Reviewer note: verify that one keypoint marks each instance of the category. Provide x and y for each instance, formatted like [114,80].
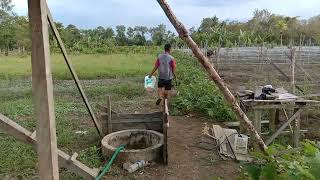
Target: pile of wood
[224,141]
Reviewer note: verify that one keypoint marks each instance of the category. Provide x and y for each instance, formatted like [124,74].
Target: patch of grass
[16,159]
[70,112]
[91,156]
[197,92]
[87,66]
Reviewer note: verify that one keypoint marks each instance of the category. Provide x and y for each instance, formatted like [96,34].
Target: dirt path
[185,160]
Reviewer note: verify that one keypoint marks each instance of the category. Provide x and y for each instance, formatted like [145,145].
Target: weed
[197,92]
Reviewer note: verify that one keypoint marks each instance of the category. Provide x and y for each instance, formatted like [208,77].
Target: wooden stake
[296,130]
[257,120]
[43,91]
[109,123]
[73,72]
[293,63]
[183,33]
[165,120]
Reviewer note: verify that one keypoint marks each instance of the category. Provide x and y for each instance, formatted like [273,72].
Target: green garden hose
[108,165]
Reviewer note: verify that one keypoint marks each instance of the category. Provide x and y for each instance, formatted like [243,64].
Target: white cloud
[89,14]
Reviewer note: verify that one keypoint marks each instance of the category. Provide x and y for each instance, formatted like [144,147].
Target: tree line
[263,29]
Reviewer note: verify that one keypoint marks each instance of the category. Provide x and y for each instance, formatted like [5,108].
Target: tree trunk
[7,51]
[183,33]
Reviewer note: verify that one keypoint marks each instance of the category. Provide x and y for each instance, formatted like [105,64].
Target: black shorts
[166,84]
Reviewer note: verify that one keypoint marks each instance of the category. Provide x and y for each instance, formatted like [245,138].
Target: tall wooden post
[296,130]
[184,35]
[43,91]
[293,66]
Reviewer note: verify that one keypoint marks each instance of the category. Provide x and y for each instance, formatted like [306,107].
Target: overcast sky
[86,14]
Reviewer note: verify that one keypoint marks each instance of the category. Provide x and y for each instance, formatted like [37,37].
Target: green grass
[87,66]
[20,161]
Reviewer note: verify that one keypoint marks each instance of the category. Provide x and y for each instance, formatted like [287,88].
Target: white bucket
[241,144]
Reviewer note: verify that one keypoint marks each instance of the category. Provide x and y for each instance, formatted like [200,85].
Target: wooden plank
[296,131]
[217,134]
[119,121]
[105,109]
[12,128]
[287,132]
[73,72]
[138,116]
[42,87]
[33,135]
[74,156]
[156,126]
[165,132]
[109,124]
[276,134]
[287,106]
[281,101]
[237,124]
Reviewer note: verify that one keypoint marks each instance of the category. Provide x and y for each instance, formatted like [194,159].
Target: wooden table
[274,107]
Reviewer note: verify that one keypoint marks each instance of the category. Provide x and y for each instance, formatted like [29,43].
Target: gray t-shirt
[166,65]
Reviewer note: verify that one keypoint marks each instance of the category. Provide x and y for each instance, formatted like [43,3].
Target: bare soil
[186,160]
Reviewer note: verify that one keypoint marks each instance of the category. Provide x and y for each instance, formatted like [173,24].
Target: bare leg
[167,94]
[161,95]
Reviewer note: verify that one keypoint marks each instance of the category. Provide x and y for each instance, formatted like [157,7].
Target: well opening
[139,144]
[134,140]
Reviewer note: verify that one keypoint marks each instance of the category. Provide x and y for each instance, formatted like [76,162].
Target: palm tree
[282,25]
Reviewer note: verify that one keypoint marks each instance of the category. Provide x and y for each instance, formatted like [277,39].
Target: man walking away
[166,66]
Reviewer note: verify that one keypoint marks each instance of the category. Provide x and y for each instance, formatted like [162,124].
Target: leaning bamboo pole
[183,33]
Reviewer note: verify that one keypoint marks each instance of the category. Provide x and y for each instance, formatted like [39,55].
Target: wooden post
[296,131]
[43,91]
[257,120]
[184,35]
[109,123]
[165,131]
[72,71]
[272,120]
[293,63]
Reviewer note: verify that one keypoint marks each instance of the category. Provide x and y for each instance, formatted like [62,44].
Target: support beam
[272,119]
[184,35]
[12,128]
[43,91]
[293,68]
[73,72]
[296,131]
[257,120]
[165,131]
[276,134]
